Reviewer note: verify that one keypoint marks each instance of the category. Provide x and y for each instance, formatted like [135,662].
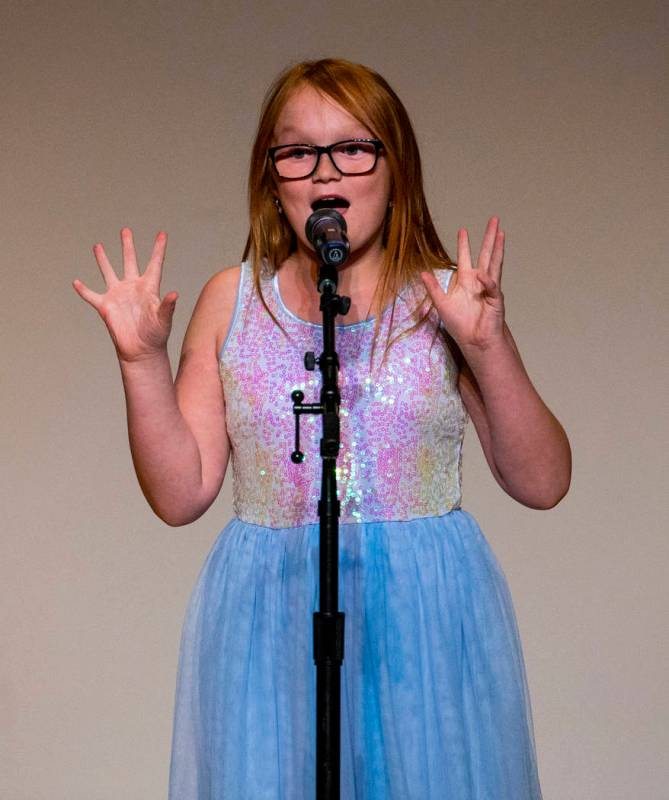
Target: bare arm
[525,446]
[176,428]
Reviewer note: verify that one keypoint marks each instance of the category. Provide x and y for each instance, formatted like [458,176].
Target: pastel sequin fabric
[402,423]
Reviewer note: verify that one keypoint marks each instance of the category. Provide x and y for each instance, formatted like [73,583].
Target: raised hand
[138,321]
[473,308]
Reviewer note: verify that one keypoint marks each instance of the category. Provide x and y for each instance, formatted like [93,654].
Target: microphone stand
[328,622]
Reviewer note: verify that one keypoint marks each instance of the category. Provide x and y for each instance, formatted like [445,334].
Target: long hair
[410,240]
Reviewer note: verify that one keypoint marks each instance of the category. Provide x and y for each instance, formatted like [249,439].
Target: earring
[390,205]
[277,203]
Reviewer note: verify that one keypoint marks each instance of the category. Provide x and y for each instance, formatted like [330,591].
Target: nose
[325,169]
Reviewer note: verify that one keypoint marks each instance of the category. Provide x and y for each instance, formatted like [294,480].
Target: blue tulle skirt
[434,700]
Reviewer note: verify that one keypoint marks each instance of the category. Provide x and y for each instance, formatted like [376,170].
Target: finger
[464,253]
[433,287]
[489,284]
[488,243]
[166,308]
[432,284]
[91,297]
[155,265]
[497,258]
[103,263]
[129,257]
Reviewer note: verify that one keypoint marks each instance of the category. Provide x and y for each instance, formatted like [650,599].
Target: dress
[434,699]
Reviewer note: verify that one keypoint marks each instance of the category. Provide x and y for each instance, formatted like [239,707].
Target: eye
[293,153]
[355,149]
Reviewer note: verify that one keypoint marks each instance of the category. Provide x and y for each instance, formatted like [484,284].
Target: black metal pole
[328,621]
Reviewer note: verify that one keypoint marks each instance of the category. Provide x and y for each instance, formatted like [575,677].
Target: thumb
[166,308]
[433,288]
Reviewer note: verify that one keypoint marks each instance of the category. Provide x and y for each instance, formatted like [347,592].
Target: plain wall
[552,115]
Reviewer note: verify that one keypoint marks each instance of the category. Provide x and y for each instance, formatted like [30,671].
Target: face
[310,118]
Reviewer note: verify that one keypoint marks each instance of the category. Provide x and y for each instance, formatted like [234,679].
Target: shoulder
[214,308]
[222,283]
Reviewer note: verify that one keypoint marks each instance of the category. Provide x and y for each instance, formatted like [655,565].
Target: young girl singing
[434,700]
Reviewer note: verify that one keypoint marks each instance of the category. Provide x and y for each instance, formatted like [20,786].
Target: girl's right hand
[138,322]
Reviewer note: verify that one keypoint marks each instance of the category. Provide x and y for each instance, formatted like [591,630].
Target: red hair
[410,239]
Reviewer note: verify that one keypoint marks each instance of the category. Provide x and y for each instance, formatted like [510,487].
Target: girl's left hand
[473,308]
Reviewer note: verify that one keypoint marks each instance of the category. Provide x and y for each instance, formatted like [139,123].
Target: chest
[408,397]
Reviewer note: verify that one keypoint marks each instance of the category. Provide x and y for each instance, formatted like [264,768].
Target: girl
[434,694]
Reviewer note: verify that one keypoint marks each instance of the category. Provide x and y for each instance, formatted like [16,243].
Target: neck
[358,280]
[358,277]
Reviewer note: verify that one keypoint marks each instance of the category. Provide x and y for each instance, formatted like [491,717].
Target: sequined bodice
[402,423]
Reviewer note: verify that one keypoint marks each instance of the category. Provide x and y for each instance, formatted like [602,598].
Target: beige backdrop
[552,115]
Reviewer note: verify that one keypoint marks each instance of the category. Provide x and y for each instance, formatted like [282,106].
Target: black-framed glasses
[350,157]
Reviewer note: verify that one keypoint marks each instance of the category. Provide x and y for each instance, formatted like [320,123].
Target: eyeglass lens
[298,161]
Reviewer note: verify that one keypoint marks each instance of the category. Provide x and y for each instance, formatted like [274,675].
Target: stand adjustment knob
[310,361]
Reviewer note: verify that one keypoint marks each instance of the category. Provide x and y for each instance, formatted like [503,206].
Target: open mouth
[330,201]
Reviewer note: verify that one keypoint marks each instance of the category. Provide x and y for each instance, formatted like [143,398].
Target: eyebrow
[297,133]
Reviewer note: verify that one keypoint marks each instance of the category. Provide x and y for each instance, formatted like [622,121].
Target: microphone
[326,230]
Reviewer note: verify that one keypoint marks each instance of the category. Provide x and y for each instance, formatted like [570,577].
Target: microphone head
[323,216]
[326,231]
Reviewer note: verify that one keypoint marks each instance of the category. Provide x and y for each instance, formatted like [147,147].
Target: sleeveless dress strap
[244,291]
[444,277]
